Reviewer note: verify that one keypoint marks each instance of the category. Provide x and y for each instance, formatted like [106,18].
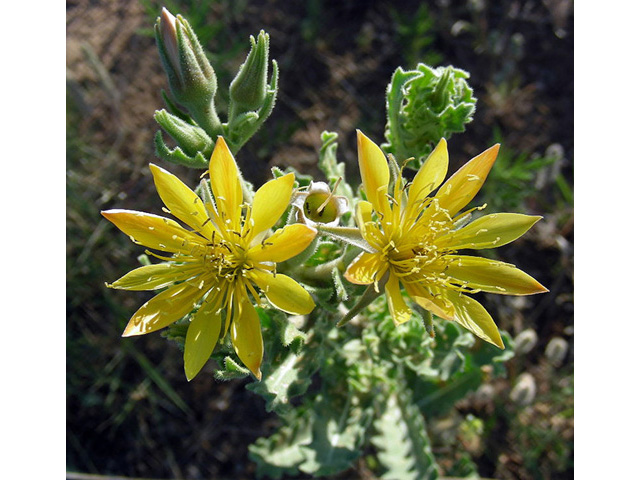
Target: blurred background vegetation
[130,411]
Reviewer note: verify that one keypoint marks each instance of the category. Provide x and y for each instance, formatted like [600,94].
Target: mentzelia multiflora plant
[414,239]
[218,263]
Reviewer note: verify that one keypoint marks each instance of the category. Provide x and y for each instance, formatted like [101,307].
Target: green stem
[324,271]
[207,119]
[372,292]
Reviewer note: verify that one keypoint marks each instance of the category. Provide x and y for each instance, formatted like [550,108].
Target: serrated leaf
[404,449]
[341,291]
[231,370]
[424,105]
[177,155]
[291,334]
[337,435]
[280,453]
[276,382]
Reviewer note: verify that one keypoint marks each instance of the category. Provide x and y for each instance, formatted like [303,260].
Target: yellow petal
[364,211]
[429,301]
[246,335]
[398,308]
[365,269]
[284,292]
[473,316]
[154,231]
[374,172]
[490,231]
[202,336]
[430,176]
[284,244]
[368,229]
[270,202]
[152,277]
[492,276]
[463,185]
[164,309]
[183,203]
[225,182]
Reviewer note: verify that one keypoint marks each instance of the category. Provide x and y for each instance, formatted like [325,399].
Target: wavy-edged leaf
[404,449]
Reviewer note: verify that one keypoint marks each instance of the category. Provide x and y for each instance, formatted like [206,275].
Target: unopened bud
[525,341]
[524,391]
[192,80]
[170,38]
[556,350]
[191,138]
[249,89]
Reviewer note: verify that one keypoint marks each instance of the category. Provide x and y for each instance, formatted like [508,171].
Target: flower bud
[249,89]
[192,80]
[556,350]
[190,138]
[319,205]
[524,391]
[525,341]
[170,38]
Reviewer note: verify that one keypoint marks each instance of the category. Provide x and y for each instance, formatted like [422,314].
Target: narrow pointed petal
[365,268]
[400,311]
[368,229]
[225,182]
[164,309]
[154,231]
[202,336]
[153,277]
[492,276]
[429,301]
[284,244]
[463,185]
[364,211]
[246,335]
[284,292]
[490,231]
[430,176]
[473,316]
[270,202]
[181,201]
[374,172]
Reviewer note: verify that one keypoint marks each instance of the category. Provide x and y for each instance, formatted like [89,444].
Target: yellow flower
[216,266]
[415,239]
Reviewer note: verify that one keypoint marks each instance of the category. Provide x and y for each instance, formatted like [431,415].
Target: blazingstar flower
[216,266]
[415,239]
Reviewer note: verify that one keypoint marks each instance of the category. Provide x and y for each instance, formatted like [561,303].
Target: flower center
[227,260]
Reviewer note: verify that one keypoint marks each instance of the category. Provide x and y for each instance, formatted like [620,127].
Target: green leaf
[177,155]
[276,381]
[337,434]
[423,106]
[404,449]
[232,370]
[280,453]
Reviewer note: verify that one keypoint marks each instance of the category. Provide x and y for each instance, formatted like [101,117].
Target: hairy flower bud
[525,341]
[249,89]
[191,138]
[524,391]
[556,350]
[192,80]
